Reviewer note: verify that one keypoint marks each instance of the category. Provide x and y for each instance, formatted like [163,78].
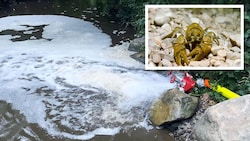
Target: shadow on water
[88,10]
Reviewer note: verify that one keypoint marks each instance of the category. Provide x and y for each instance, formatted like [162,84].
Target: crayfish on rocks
[197,40]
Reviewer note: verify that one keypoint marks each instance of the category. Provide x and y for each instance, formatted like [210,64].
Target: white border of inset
[195,6]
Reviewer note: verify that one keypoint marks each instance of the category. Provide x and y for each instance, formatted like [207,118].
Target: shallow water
[71,86]
[15,127]
[68,85]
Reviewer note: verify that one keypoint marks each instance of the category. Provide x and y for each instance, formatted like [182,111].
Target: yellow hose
[226,92]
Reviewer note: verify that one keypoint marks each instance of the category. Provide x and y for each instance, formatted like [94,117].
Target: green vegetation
[132,12]
[237,81]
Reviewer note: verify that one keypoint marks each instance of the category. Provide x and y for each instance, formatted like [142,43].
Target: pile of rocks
[211,121]
[173,111]
[184,130]
[226,24]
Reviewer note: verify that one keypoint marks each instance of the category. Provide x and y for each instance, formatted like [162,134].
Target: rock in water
[139,56]
[226,121]
[173,105]
[137,44]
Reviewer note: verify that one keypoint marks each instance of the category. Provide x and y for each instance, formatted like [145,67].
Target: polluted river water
[63,81]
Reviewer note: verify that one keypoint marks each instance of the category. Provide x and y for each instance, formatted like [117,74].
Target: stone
[206,17]
[197,20]
[222,53]
[169,57]
[235,49]
[160,31]
[157,41]
[226,121]
[230,62]
[215,49]
[202,63]
[172,106]
[237,63]
[235,39]
[161,53]
[167,43]
[218,58]
[137,44]
[139,56]
[166,63]
[212,62]
[151,42]
[223,19]
[156,58]
[194,63]
[220,64]
[151,64]
[162,18]
[167,28]
[233,55]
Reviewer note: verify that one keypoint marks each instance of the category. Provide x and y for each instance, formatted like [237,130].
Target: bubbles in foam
[74,85]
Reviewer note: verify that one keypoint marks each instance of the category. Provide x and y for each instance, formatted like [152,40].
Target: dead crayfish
[196,39]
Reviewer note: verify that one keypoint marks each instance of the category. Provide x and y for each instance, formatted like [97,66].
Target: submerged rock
[172,106]
[226,121]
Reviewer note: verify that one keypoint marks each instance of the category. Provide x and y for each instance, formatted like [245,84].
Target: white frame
[187,67]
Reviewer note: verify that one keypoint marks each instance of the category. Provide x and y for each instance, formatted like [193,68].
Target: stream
[87,10]
[61,80]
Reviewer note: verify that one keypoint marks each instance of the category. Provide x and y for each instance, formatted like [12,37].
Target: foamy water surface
[70,82]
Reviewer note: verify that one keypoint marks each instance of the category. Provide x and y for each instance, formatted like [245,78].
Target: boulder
[226,121]
[172,106]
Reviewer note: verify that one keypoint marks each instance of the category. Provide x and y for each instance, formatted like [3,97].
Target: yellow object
[226,92]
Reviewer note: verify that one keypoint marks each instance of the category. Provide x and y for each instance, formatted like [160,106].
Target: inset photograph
[194,37]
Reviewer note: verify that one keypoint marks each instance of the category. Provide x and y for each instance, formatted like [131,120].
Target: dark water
[13,125]
[83,9]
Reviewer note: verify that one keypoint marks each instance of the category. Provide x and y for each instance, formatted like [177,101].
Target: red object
[190,83]
[184,81]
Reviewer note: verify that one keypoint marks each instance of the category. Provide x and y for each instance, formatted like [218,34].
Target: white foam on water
[74,85]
